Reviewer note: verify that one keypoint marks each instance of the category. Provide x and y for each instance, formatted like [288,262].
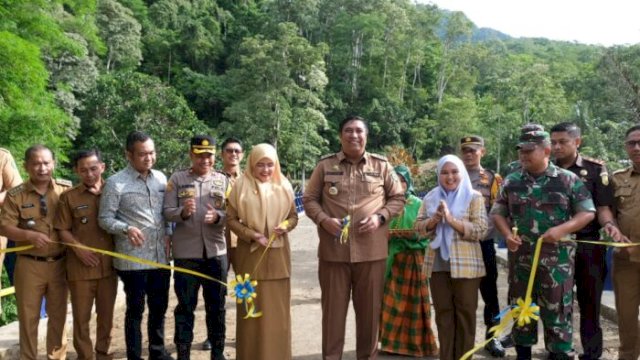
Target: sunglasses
[233,151]
[632,143]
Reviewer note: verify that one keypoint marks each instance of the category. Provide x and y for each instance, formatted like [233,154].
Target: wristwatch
[382,219]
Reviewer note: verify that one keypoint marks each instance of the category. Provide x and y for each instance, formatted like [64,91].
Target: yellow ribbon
[15,249]
[344,233]
[146,262]
[284,224]
[243,289]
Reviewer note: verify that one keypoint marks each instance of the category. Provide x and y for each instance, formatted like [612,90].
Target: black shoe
[507,342]
[494,347]
[523,352]
[560,356]
[206,345]
[164,355]
[184,351]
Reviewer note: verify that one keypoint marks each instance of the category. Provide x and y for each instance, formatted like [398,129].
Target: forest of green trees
[83,73]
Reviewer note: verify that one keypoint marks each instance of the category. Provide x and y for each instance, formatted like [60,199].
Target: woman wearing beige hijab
[258,204]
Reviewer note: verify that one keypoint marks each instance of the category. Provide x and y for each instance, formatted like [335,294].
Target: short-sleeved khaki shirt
[626,188]
[28,210]
[78,213]
[338,188]
[9,174]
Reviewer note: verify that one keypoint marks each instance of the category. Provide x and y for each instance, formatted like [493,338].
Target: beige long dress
[269,336]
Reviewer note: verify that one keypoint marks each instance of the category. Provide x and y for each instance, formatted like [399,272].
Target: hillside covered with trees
[81,73]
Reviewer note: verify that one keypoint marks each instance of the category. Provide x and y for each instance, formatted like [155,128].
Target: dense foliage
[78,73]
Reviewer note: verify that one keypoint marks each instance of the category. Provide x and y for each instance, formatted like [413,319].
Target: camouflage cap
[529,127]
[472,141]
[528,141]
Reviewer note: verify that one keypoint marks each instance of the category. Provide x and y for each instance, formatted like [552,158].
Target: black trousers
[154,285]
[488,284]
[591,271]
[187,287]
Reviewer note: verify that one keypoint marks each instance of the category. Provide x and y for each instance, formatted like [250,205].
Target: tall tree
[121,33]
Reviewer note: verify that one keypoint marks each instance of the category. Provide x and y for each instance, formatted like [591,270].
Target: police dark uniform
[78,213]
[39,271]
[201,247]
[591,266]
[488,184]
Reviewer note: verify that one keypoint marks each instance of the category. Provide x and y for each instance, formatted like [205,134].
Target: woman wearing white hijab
[258,204]
[454,216]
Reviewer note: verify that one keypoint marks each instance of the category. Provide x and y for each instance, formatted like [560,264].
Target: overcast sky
[611,22]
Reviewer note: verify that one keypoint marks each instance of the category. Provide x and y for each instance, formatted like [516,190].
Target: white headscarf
[457,201]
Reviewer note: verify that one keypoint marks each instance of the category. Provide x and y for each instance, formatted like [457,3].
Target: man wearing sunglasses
[27,218]
[626,261]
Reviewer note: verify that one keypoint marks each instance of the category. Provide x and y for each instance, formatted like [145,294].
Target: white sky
[611,22]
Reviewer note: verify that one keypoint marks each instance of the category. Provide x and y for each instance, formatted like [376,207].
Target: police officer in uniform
[91,277]
[27,218]
[591,266]
[195,201]
[488,184]
[364,187]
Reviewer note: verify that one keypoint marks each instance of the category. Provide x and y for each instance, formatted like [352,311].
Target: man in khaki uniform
[487,183]
[27,218]
[232,154]
[90,275]
[195,202]
[626,262]
[9,177]
[364,187]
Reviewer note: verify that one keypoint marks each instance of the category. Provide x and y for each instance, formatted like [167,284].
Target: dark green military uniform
[535,205]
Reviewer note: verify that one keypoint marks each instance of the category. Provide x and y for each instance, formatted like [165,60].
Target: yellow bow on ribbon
[344,233]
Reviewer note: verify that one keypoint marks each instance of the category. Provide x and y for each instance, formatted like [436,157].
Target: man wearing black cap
[488,184]
[195,202]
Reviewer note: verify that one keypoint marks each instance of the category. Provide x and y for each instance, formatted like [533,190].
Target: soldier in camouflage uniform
[515,165]
[547,202]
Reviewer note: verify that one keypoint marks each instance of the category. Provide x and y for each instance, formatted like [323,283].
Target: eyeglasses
[43,205]
[233,151]
[632,143]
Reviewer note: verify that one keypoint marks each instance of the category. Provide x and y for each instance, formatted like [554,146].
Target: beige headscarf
[261,205]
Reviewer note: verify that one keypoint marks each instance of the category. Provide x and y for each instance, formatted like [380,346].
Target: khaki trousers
[83,295]
[455,302]
[338,282]
[626,287]
[34,280]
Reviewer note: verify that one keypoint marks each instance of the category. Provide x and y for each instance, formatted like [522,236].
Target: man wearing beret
[195,202]
[487,183]
[544,203]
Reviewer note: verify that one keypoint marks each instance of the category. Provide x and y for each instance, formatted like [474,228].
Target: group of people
[380,245]
[138,213]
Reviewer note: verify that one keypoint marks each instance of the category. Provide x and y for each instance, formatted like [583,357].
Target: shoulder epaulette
[593,160]
[327,156]
[77,186]
[620,171]
[378,156]
[64,182]
[15,190]
[3,150]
